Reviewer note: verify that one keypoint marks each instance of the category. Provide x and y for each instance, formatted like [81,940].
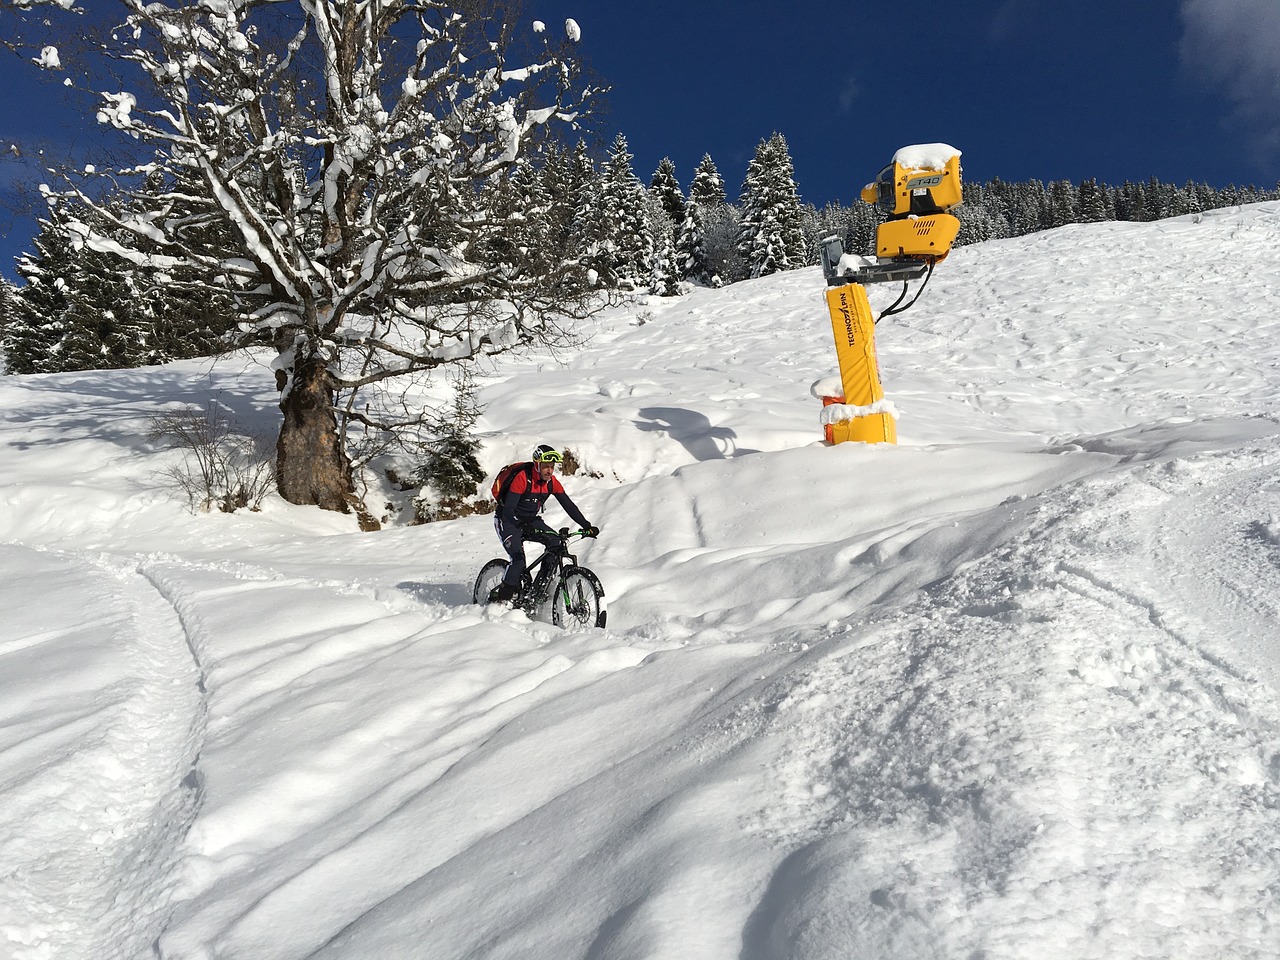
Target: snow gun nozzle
[914,193]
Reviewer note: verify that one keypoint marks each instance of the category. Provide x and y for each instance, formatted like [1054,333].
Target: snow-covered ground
[1008,689]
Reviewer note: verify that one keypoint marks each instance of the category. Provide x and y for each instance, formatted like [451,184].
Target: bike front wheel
[578,602]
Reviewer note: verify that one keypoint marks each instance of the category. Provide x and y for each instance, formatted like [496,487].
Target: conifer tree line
[998,209]
[77,310]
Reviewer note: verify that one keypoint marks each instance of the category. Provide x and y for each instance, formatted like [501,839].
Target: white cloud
[1231,45]
[849,94]
[1011,17]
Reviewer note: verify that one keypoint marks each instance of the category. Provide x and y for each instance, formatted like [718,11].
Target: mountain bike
[555,579]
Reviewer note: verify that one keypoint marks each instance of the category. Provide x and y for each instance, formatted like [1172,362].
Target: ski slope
[1008,688]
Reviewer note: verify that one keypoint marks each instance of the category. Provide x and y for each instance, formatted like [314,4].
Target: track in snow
[98,763]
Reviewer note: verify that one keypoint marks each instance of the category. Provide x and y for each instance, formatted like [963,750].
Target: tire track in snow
[297,803]
[92,835]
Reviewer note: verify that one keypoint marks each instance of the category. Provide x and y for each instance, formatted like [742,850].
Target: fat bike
[555,580]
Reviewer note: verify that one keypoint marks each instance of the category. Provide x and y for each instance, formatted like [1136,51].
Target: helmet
[543,453]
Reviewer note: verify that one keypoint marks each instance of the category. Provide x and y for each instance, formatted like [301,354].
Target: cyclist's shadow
[453,594]
[449,594]
[693,431]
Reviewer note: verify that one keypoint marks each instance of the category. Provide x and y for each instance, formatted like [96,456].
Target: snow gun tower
[914,193]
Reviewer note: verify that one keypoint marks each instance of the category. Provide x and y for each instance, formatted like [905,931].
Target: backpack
[502,482]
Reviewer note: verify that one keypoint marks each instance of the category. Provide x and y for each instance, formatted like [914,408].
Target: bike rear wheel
[491,575]
[579,600]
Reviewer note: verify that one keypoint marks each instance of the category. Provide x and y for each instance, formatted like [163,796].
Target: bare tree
[332,165]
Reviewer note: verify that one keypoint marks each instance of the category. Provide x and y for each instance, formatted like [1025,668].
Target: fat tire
[491,575]
[586,606]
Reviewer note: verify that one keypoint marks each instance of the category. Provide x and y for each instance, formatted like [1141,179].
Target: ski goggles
[550,457]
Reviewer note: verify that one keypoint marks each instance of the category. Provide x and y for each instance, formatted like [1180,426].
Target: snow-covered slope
[1009,688]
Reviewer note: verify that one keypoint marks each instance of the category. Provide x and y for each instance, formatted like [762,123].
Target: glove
[592,531]
[526,530]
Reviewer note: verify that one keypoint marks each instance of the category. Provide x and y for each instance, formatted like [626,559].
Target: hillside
[1010,687]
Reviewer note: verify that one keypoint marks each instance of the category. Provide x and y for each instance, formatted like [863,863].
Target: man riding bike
[518,519]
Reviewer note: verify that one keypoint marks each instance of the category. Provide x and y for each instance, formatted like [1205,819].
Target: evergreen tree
[707,188]
[37,327]
[975,224]
[1130,202]
[665,279]
[860,230]
[522,199]
[717,223]
[1108,202]
[447,466]
[1156,200]
[666,189]
[623,249]
[566,179]
[1062,204]
[771,233]
[1206,196]
[582,191]
[1185,200]
[1092,207]
[1030,208]
[82,309]
[830,221]
[691,251]
[6,318]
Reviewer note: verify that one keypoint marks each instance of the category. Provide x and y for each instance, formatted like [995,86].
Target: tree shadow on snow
[693,431]
[118,405]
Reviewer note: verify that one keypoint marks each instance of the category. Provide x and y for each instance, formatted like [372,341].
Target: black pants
[513,540]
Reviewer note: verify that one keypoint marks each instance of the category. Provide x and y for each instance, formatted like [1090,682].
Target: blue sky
[1121,89]
[1025,88]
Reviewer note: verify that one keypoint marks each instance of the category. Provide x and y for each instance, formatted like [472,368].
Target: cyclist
[518,519]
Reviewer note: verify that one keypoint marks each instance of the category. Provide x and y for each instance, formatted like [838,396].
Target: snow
[850,263]
[572,31]
[925,156]
[839,412]
[118,109]
[49,59]
[1009,688]
[831,386]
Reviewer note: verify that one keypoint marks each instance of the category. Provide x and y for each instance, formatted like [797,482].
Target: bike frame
[544,573]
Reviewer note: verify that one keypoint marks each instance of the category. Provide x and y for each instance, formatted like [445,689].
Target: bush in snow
[224,465]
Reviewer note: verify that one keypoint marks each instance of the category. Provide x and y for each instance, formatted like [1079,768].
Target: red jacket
[527,496]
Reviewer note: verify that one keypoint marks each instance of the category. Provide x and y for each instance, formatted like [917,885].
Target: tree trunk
[311,466]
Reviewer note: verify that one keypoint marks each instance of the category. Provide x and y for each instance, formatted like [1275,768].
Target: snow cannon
[915,193]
